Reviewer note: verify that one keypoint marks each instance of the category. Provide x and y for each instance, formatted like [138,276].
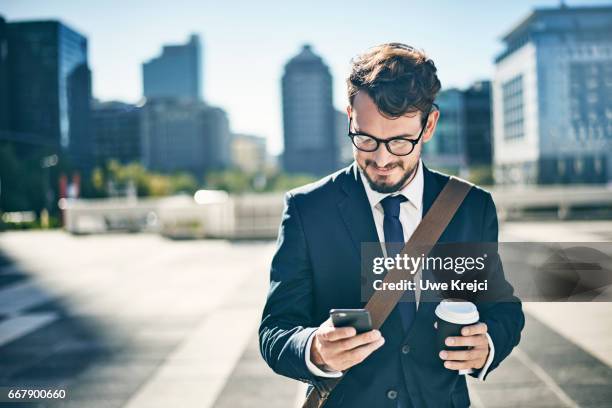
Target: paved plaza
[141,321]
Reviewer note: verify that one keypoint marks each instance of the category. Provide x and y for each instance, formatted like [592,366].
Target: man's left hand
[473,336]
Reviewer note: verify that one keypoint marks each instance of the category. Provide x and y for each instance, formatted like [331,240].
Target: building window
[590,85]
[561,167]
[512,94]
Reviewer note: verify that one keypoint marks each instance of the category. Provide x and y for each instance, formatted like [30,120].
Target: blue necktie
[394,240]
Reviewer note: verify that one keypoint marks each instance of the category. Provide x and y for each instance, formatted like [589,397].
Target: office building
[308,116]
[343,142]
[552,98]
[4,78]
[46,90]
[249,153]
[446,150]
[116,132]
[176,73]
[183,135]
[477,108]
[218,138]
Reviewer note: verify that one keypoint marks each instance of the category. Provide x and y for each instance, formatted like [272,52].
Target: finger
[337,333]
[327,323]
[360,353]
[460,365]
[478,328]
[359,340]
[473,341]
[463,355]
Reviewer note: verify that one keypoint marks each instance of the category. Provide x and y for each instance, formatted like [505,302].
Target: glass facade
[512,96]
[116,132]
[553,104]
[34,85]
[50,87]
[4,79]
[175,73]
[591,100]
[478,123]
[446,149]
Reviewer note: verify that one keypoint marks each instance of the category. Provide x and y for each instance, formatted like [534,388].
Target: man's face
[384,171]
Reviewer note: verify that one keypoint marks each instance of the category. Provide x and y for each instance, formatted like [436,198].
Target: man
[385,192]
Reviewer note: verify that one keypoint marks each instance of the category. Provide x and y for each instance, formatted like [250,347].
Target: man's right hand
[337,349]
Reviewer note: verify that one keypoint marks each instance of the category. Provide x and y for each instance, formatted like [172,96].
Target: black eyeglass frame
[386,142]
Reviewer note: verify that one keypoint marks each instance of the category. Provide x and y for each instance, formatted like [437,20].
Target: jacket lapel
[355,210]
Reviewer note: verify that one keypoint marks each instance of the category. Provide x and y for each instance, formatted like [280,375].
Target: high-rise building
[45,96]
[477,103]
[446,150]
[343,142]
[218,138]
[183,135]
[308,115]
[552,98]
[176,73]
[249,153]
[116,132]
[4,79]
[47,86]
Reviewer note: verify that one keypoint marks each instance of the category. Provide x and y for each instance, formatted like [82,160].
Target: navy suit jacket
[317,267]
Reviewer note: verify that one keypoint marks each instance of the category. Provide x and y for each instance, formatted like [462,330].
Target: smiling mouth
[383,171]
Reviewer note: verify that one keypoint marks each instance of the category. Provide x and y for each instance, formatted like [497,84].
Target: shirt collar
[413,191]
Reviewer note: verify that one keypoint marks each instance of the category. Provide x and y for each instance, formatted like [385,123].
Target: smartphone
[357,318]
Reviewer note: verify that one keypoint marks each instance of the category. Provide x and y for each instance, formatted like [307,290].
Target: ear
[432,122]
[349,109]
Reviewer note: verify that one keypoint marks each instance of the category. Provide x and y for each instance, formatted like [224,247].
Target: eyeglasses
[398,146]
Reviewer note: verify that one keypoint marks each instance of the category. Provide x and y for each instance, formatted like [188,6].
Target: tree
[147,183]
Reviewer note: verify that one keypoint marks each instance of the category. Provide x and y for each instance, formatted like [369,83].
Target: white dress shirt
[410,217]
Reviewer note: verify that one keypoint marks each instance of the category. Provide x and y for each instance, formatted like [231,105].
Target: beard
[385,187]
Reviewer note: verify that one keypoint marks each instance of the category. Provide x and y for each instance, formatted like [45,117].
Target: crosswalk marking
[9,270]
[20,296]
[18,326]
[14,299]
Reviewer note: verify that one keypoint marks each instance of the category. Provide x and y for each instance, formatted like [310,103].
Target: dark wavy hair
[399,78]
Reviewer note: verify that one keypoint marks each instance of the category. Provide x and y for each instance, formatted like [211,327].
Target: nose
[381,156]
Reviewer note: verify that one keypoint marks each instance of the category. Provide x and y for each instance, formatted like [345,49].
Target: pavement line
[9,270]
[15,327]
[544,377]
[197,370]
[587,325]
[21,296]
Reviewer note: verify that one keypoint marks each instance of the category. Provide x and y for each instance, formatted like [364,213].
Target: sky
[247,43]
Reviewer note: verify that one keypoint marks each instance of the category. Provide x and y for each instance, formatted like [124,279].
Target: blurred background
[145,148]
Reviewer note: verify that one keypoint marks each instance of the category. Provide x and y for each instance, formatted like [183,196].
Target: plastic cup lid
[457,311]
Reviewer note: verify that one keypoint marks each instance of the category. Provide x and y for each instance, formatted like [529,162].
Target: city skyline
[253,100]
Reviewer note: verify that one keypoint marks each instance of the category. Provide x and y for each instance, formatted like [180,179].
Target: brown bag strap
[382,303]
